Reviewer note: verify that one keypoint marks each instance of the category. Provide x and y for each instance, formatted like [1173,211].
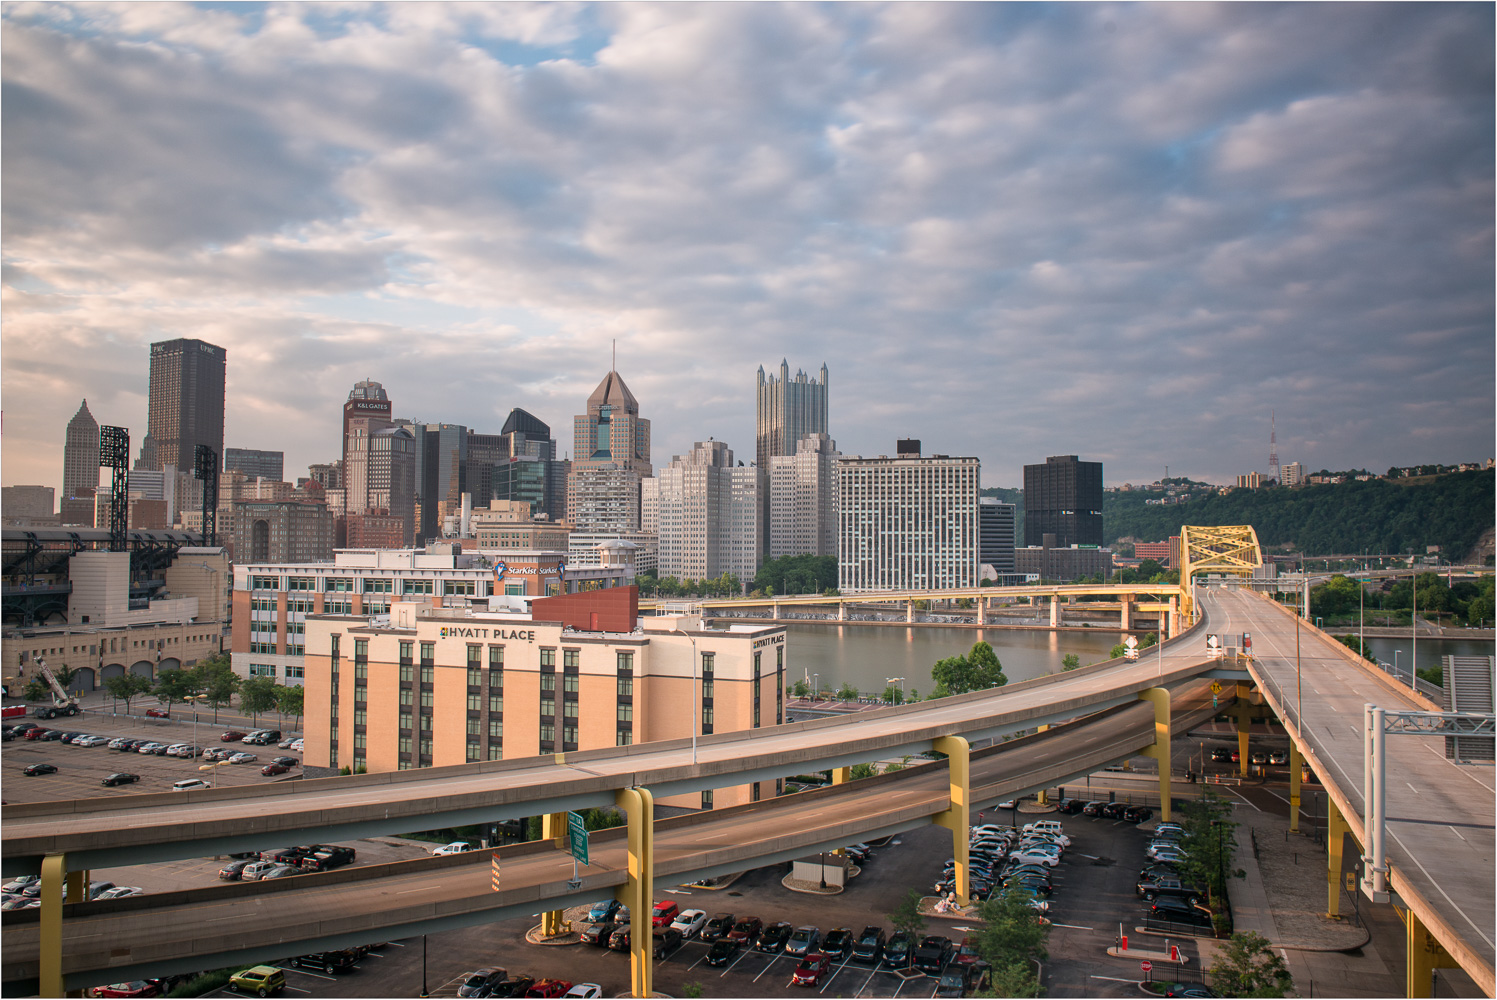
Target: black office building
[1063,498]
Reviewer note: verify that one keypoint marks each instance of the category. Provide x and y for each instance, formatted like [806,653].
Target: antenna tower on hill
[1273,449]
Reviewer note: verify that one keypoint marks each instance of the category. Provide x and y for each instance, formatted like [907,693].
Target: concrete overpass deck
[256,921]
[1442,844]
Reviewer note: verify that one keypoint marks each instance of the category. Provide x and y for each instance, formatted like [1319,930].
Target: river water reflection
[865,656]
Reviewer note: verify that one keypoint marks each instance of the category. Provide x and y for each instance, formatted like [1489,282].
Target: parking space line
[304,972]
[772,960]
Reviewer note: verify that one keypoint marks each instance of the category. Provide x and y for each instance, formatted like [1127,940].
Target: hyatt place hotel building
[429,686]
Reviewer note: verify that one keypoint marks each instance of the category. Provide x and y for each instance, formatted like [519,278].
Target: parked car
[288,761]
[327,857]
[35,769]
[272,769]
[34,733]
[1179,911]
[138,988]
[1114,810]
[1221,754]
[838,942]
[932,954]
[1069,805]
[619,939]
[583,991]
[1188,990]
[121,892]
[189,785]
[667,940]
[964,980]
[1137,814]
[483,980]
[803,941]
[456,847]
[19,882]
[242,758]
[263,737]
[549,988]
[717,927]
[92,741]
[690,922]
[255,870]
[598,933]
[261,980]
[810,970]
[746,930]
[1278,757]
[233,736]
[1258,757]
[1093,808]
[603,909]
[281,871]
[723,950]
[328,961]
[232,871]
[774,937]
[157,713]
[897,950]
[664,913]
[514,986]
[1161,886]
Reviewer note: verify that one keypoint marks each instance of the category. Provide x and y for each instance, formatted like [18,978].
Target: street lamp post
[815,687]
[890,681]
[1395,661]
[696,701]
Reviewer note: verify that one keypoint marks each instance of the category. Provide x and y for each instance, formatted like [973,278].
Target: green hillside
[1376,516]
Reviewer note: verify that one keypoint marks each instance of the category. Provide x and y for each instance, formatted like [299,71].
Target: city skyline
[1130,233]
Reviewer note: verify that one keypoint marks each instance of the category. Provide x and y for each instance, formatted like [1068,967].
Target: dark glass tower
[186,406]
[1063,498]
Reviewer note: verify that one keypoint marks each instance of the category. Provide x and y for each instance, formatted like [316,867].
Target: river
[865,656]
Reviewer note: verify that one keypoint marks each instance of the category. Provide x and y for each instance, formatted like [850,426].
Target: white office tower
[908,522]
[709,514]
[803,499]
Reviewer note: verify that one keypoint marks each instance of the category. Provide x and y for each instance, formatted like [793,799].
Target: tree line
[1374,516]
[211,681]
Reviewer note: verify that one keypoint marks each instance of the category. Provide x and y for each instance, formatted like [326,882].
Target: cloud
[1012,230]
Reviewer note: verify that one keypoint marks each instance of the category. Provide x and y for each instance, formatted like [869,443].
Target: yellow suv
[261,980]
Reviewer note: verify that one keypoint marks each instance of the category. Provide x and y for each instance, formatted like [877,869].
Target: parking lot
[80,770]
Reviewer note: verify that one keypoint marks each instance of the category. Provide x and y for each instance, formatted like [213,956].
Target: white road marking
[1074,927]
[423,888]
[1455,831]
[1412,788]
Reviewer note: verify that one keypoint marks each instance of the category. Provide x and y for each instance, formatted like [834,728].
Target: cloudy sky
[1124,231]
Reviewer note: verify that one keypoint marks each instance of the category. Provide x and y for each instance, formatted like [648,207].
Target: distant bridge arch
[1229,549]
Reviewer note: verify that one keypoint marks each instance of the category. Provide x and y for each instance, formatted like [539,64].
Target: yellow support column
[77,886]
[1424,955]
[1335,831]
[1160,751]
[1043,798]
[638,807]
[958,816]
[840,775]
[54,873]
[1296,765]
[554,827]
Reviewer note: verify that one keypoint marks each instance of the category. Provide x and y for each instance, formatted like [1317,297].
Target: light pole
[815,687]
[1395,661]
[696,701]
[890,681]
[1414,631]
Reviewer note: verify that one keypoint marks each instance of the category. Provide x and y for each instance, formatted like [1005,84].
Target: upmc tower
[1063,498]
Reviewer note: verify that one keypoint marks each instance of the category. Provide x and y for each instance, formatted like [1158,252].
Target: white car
[242,758]
[1165,852]
[120,892]
[584,990]
[1040,857]
[258,870]
[689,922]
[456,847]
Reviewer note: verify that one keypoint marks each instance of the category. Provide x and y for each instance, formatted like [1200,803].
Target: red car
[549,988]
[274,768]
[810,970]
[157,713]
[139,988]
[665,913]
[34,734]
[233,736]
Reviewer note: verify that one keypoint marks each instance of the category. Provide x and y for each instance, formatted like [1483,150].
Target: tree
[65,676]
[1355,644]
[217,681]
[127,686]
[173,686]
[256,695]
[906,917]
[1209,843]
[1011,979]
[1013,932]
[800,689]
[893,695]
[860,771]
[290,700]
[977,671]
[846,692]
[1246,966]
[1117,651]
[939,691]
[1070,661]
[36,690]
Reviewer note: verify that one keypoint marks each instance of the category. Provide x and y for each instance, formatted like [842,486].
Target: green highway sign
[577,834]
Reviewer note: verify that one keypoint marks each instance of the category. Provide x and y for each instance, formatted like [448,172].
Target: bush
[207,982]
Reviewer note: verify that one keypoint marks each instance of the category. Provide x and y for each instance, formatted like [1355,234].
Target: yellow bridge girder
[1228,549]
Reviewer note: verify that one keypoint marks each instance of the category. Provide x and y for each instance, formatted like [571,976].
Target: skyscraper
[1063,498]
[803,499]
[610,455]
[366,399]
[908,522]
[996,523]
[709,515]
[255,463]
[80,455]
[186,405]
[788,411]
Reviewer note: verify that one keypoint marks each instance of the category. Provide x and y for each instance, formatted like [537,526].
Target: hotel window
[428,651]
[569,683]
[361,671]
[405,745]
[496,657]
[428,673]
[475,657]
[548,682]
[569,659]
[361,649]
[706,720]
[626,685]
[425,721]
[475,676]
[707,799]
[407,672]
[496,752]
[569,737]
[548,658]
[405,720]
[426,698]
[360,717]
[361,692]
[475,752]
[548,733]
[426,748]
[624,738]
[475,703]
[569,710]
[496,729]
[626,713]
[709,661]
[405,696]
[475,726]
[407,649]
[548,708]
[358,744]
[626,661]
[707,686]
[496,702]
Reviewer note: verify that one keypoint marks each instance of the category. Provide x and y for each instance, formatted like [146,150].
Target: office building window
[295,671]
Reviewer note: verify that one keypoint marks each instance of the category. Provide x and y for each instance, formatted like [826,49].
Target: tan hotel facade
[437,686]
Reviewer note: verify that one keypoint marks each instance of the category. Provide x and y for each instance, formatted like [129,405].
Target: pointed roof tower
[613,393]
